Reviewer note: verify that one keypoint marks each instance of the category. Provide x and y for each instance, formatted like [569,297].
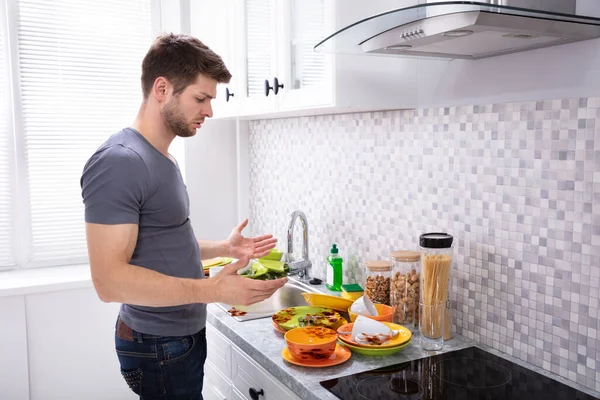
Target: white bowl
[364,306]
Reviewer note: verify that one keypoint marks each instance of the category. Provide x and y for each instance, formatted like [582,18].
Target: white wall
[570,70]
[14,381]
[58,346]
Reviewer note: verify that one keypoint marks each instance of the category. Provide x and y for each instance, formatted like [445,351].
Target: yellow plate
[216,262]
[325,300]
[404,335]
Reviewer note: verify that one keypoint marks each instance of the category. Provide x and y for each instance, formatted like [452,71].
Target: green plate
[295,317]
[274,254]
[375,352]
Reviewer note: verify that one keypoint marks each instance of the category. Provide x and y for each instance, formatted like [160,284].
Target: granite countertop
[261,342]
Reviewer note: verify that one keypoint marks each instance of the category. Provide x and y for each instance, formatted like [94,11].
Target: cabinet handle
[228,94]
[276,86]
[255,393]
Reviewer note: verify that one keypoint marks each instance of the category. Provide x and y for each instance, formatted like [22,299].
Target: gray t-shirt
[128,181]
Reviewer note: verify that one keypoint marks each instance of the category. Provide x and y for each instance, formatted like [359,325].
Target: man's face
[185,112]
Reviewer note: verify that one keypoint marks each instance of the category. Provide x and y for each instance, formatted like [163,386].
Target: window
[7,245]
[76,68]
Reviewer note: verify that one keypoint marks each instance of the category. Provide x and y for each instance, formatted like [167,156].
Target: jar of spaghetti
[436,265]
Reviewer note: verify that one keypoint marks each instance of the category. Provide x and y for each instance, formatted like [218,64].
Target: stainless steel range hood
[465,29]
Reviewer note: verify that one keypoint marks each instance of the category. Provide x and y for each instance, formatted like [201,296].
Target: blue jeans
[161,367]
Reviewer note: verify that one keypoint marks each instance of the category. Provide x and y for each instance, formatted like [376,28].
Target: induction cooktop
[467,374]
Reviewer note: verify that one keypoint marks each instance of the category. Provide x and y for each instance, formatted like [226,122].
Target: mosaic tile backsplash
[517,185]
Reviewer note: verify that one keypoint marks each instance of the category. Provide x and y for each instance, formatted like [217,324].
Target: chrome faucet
[300,267]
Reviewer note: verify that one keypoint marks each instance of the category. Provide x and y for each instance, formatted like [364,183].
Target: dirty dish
[403,335]
[363,306]
[311,342]
[375,352]
[341,322]
[366,325]
[216,262]
[340,355]
[274,254]
[384,313]
[277,328]
[297,317]
[325,300]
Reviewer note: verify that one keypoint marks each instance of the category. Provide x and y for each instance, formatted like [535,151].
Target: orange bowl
[384,312]
[311,342]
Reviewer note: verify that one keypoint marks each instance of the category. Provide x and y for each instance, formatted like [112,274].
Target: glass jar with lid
[436,267]
[404,287]
[377,284]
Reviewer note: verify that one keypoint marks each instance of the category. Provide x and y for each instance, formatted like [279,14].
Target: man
[142,249]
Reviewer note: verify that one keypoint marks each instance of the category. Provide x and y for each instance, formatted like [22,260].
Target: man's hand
[239,246]
[234,289]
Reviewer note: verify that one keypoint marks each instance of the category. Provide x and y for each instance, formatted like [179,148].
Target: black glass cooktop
[468,374]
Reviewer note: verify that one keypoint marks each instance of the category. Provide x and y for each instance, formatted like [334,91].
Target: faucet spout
[304,264]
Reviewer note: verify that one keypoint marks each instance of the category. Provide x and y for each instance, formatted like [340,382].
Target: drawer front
[218,351]
[216,381]
[211,393]
[237,395]
[247,374]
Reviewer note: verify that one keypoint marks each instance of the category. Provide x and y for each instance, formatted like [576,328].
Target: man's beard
[175,120]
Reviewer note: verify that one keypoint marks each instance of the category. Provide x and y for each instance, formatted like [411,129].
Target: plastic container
[334,270]
[378,280]
[404,287]
[436,267]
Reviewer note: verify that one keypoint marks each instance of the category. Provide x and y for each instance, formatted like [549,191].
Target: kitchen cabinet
[212,21]
[231,373]
[268,47]
[14,379]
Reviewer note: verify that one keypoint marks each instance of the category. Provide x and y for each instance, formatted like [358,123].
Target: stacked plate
[215,262]
[373,344]
[297,317]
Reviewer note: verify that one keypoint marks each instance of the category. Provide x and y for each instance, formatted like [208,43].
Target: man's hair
[180,58]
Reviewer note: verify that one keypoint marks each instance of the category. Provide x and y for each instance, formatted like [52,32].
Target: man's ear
[161,88]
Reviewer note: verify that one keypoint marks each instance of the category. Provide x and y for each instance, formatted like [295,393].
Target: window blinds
[7,171]
[79,67]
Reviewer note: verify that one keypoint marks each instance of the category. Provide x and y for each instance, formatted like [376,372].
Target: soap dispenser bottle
[334,270]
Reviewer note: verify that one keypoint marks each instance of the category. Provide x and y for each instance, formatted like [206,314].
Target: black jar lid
[436,240]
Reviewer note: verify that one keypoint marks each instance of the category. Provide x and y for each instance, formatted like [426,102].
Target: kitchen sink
[289,295]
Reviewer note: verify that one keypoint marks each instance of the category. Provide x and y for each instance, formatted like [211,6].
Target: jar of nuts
[404,289]
[378,278]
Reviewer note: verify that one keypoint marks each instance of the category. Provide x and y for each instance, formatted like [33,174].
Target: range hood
[465,29]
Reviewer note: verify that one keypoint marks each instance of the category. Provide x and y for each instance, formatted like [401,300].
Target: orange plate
[341,354]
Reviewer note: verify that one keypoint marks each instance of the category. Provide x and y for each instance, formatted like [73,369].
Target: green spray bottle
[334,270]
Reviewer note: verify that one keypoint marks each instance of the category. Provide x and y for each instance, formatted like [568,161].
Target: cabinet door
[216,386]
[237,395]
[212,21]
[218,351]
[256,28]
[306,74]
[14,379]
[247,374]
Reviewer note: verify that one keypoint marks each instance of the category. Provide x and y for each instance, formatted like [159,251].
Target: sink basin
[290,295]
